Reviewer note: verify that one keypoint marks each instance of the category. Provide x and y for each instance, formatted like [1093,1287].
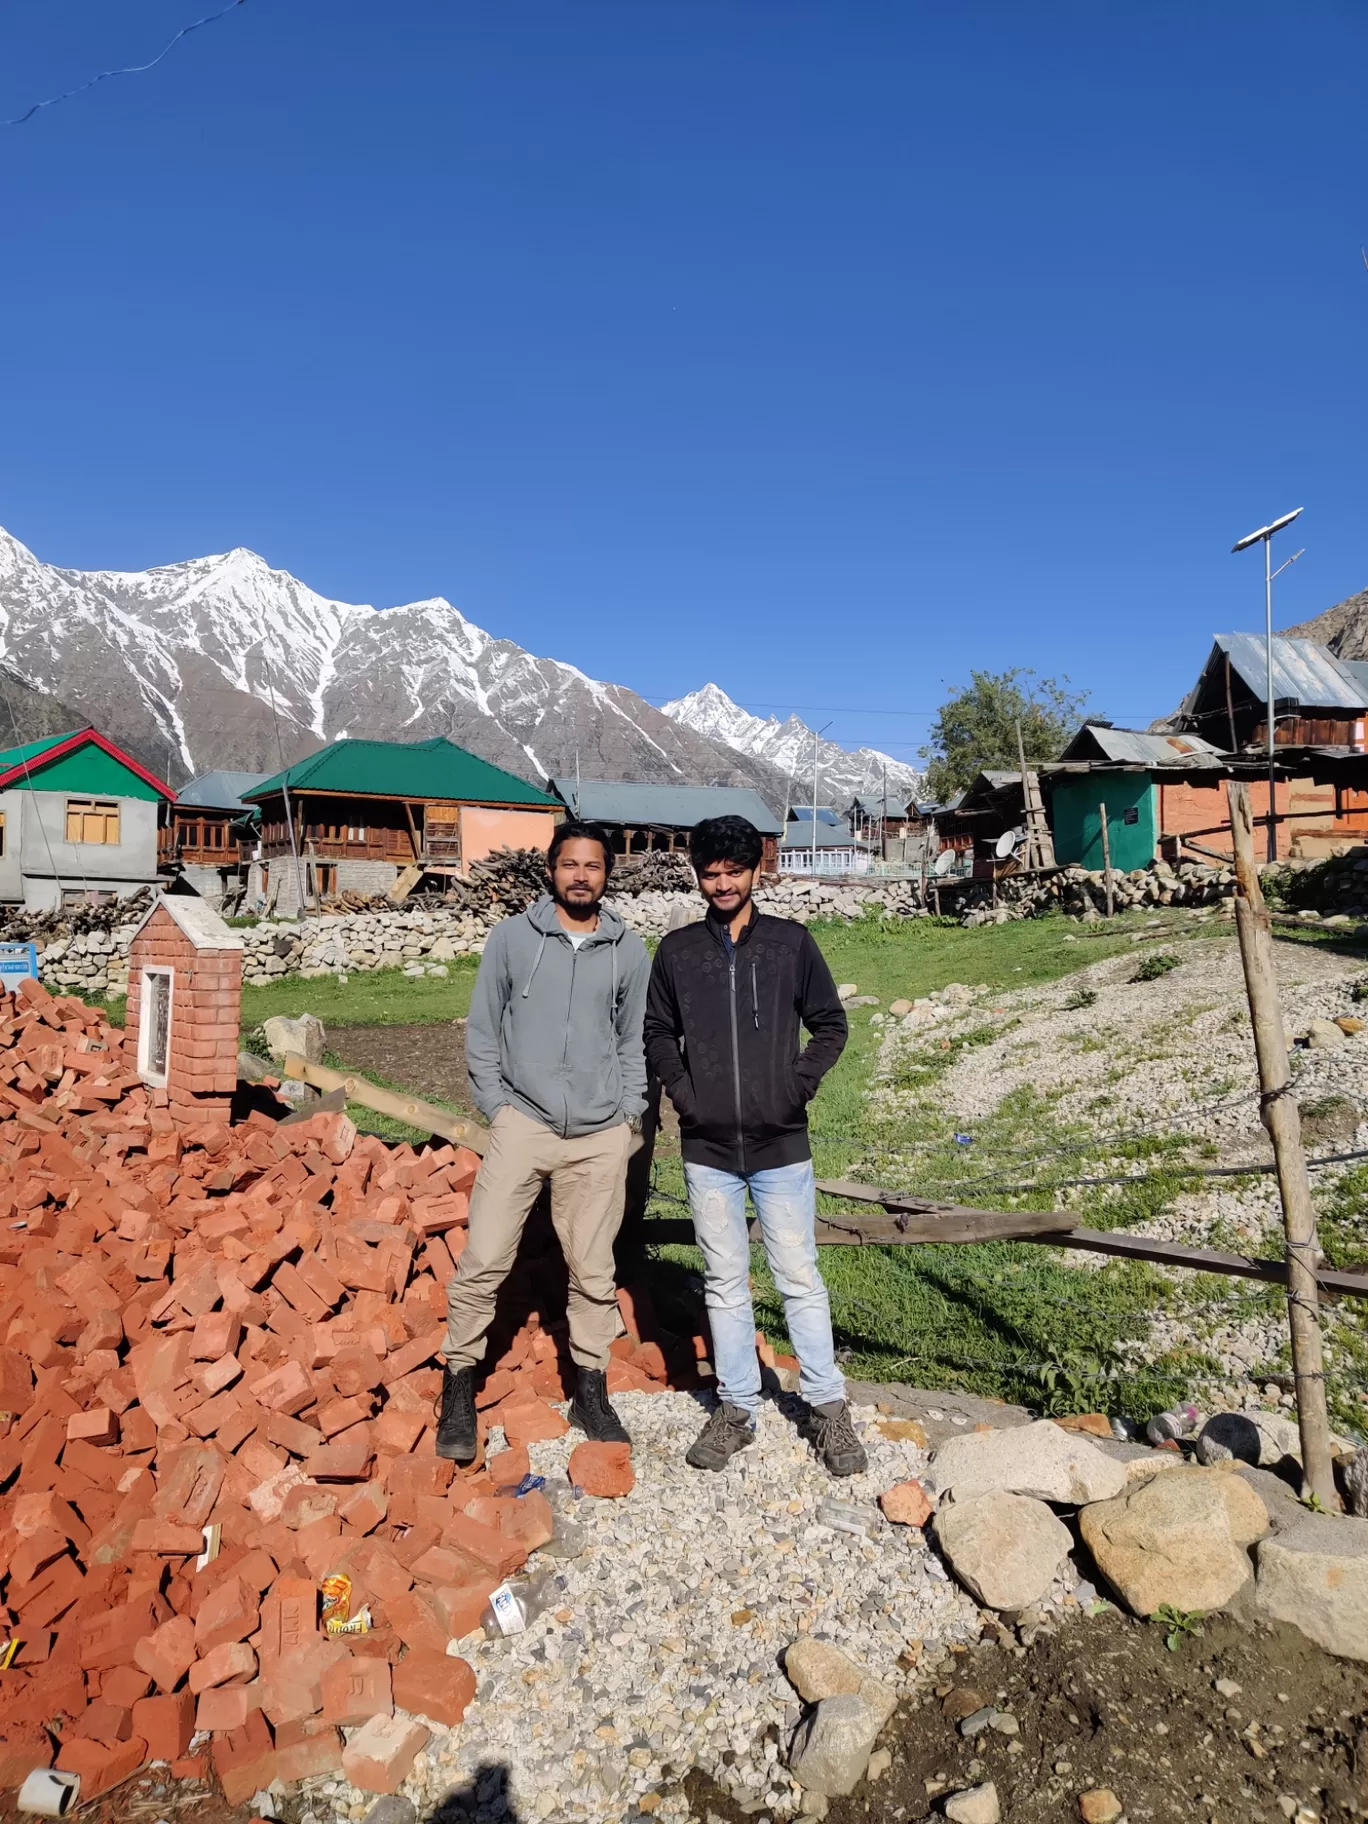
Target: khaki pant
[588,1181]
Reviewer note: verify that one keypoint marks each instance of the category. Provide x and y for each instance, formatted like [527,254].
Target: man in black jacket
[723,1011]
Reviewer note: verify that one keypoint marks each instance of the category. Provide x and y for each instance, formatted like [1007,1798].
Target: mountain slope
[1343,628]
[788,746]
[225,662]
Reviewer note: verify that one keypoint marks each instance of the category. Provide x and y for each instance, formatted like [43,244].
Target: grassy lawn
[1009,1319]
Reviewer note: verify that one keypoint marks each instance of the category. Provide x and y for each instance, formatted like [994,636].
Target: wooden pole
[1106,858]
[1281,1116]
[1032,857]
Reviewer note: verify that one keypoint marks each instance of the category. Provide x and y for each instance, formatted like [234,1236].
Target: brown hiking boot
[831,1432]
[728,1430]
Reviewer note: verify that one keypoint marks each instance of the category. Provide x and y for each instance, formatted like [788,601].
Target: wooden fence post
[1106,859]
[1281,1116]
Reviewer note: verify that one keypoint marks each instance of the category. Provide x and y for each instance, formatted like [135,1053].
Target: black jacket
[742,1082]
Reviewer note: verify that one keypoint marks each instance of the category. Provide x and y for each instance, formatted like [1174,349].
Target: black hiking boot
[832,1436]
[727,1431]
[457,1436]
[591,1411]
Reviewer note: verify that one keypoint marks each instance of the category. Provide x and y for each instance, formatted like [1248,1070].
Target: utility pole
[1266,534]
[817,734]
[1106,859]
[1280,1114]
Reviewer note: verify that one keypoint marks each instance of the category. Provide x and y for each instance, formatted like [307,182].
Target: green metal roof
[403,769]
[14,756]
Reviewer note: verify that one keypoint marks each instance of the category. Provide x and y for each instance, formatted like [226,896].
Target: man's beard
[577,908]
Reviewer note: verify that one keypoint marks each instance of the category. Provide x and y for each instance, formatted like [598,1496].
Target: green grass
[383,997]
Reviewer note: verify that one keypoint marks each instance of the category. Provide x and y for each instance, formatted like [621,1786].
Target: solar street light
[1265,533]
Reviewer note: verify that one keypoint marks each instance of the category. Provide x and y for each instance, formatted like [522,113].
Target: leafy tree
[976,727]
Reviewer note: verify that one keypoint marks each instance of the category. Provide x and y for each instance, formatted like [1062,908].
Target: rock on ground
[1180,1539]
[305,1036]
[832,1746]
[1038,1460]
[817,1670]
[1004,1548]
[975,1805]
[1315,1575]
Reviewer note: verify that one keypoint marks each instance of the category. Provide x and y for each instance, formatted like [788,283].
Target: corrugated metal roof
[798,835]
[1135,748]
[404,769]
[221,791]
[1304,672]
[677,807]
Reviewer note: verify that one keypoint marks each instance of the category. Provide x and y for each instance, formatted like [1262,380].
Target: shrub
[1157,963]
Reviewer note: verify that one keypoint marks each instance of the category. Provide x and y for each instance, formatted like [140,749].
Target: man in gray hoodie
[554,1051]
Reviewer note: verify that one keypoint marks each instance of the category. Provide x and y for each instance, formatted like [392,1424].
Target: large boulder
[1315,1575]
[1038,1460]
[831,1746]
[1180,1539]
[1005,1549]
[304,1036]
[1262,1438]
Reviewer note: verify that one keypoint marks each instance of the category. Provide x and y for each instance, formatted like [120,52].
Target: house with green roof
[78,821]
[380,816]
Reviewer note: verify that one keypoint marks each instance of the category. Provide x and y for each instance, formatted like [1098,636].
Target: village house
[208,837]
[78,821]
[833,849]
[383,816]
[647,819]
[1318,700]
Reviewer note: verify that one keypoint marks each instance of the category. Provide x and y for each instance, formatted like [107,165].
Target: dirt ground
[1105,1703]
[428,1059]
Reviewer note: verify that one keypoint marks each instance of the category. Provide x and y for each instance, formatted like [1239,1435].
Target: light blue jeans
[785,1200]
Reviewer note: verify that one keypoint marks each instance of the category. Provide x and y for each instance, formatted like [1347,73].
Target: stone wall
[425,941]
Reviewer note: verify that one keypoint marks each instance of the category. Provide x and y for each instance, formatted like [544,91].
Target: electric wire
[133,69]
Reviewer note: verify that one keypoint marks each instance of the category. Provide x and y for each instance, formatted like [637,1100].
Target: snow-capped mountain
[225,662]
[788,746]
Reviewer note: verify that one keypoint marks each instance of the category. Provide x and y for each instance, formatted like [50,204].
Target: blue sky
[824,350]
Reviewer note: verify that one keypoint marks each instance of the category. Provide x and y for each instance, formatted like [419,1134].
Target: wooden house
[208,837]
[380,816]
[1319,700]
[642,819]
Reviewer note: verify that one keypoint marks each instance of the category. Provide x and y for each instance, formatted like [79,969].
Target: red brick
[526,1520]
[292,1685]
[245,1760]
[110,1638]
[307,1502]
[285,1389]
[434,1685]
[165,1724]
[16,1382]
[485,1544]
[222,1708]
[232,1662]
[364,1508]
[395,1432]
[602,1469]
[530,1422]
[410,1477]
[168,1653]
[355,1689]
[167,1538]
[101,1769]
[128,1686]
[105,1722]
[459,1607]
[307,1749]
[356,1369]
[230,1612]
[346,1459]
[189,1485]
[190,1767]
[33,1512]
[508,1467]
[380,1756]
[21,1751]
[98,1426]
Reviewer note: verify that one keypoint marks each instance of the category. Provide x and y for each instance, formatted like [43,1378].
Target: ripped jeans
[785,1200]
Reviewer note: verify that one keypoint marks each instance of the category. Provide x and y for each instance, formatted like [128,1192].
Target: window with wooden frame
[92,820]
[2,832]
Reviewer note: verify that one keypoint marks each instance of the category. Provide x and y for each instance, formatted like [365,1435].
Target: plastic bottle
[1177,1422]
[566,1507]
[514,1604]
[848,1517]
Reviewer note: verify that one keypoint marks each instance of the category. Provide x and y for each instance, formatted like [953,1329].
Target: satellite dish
[944,862]
[1007,842]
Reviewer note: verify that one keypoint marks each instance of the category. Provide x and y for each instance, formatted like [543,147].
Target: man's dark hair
[725,839]
[572,829]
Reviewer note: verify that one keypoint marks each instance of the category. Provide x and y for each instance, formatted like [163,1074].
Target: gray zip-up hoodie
[556,1031]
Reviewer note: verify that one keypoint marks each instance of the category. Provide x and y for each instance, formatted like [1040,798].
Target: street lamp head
[1266,531]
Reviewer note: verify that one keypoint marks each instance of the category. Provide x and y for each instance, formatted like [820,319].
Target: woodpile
[19,925]
[218,1364]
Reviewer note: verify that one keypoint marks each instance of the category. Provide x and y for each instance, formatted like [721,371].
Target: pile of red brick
[225,1338]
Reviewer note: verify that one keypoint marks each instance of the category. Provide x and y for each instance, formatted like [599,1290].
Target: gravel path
[659,1649]
[1172,1055]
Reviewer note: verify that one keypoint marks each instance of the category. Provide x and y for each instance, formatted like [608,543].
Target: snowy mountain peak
[794,749]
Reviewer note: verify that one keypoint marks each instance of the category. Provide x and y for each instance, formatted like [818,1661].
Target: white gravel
[661,1650]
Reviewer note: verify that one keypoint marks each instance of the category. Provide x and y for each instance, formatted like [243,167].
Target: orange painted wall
[1186,807]
[484,829]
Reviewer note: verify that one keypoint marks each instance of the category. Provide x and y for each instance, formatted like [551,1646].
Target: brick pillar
[184,1004]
